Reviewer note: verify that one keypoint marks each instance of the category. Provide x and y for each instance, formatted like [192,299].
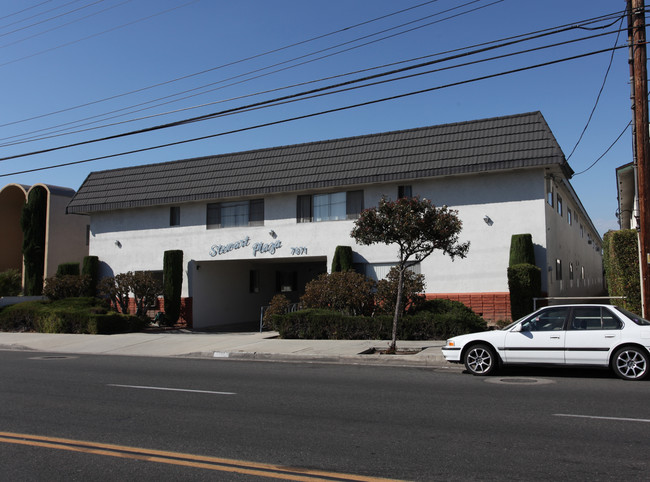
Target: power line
[611,59]
[315,114]
[268,52]
[509,41]
[24,10]
[606,150]
[251,72]
[67,44]
[278,100]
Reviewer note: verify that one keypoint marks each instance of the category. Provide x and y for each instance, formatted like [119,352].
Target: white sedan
[568,335]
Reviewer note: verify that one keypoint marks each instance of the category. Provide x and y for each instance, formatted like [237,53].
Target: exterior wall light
[273,235]
[488,220]
[118,244]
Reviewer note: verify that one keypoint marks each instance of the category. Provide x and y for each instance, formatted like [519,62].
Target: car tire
[480,360]
[630,363]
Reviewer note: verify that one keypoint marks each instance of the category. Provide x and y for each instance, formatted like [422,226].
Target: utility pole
[638,70]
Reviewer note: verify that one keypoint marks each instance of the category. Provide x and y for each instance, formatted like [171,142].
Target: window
[549,191]
[593,318]
[175,216]
[237,213]
[559,205]
[87,234]
[568,216]
[558,270]
[571,271]
[329,207]
[582,231]
[404,191]
[549,320]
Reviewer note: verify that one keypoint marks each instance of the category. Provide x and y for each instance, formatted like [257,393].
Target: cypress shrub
[90,268]
[342,260]
[621,260]
[524,283]
[32,221]
[172,284]
[521,249]
[71,269]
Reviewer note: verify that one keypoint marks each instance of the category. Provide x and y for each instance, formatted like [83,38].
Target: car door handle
[556,337]
[610,336]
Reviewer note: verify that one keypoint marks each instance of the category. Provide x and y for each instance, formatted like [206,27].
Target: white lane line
[619,419]
[171,389]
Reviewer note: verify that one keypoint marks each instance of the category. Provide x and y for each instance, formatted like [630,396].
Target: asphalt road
[122,418]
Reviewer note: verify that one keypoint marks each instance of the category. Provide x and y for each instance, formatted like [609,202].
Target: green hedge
[621,262]
[67,269]
[524,283]
[443,320]
[71,315]
[90,268]
[342,260]
[522,250]
[172,284]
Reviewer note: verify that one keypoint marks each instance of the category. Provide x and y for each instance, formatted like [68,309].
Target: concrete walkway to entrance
[243,346]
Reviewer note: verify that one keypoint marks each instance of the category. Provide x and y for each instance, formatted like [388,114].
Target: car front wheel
[630,363]
[480,360]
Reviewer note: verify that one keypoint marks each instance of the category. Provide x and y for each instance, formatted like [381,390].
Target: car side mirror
[517,328]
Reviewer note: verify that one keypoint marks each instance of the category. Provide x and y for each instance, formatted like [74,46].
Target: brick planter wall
[491,306]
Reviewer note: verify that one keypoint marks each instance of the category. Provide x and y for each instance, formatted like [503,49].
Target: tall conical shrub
[33,223]
[342,260]
[521,249]
[172,284]
[524,277]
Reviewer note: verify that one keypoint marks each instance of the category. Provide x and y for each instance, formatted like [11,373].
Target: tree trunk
[398,308]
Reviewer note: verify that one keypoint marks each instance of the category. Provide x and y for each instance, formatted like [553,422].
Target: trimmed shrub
[342,260]
[66,286]
[90,268]
[524,283]
[621,262]
[10,282]
[442,320]
[33,221]
[172,284]
[71,315]
[412,291]
[348,292]
[279,305]
[68,269]
[521,249]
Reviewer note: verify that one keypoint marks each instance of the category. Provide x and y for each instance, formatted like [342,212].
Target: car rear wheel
[480,360]
[630,363]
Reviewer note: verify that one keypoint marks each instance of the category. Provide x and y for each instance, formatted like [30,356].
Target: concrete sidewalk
[250,346]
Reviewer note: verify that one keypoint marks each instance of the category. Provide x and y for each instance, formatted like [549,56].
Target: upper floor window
[404,192]
[329,207]
[558,270]
[236,213]
[175,216]
[559,205]
[568,216]
[549,191]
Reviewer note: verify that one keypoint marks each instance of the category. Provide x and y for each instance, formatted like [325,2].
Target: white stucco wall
[514,202]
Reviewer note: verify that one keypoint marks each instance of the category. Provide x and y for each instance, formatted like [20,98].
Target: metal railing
[292,307]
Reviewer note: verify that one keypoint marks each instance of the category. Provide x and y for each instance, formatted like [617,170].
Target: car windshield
[513,324]
[633,316]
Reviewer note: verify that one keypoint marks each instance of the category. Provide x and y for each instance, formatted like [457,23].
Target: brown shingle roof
[511,142]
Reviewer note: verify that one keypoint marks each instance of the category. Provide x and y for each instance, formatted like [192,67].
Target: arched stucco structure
[12,200]
[65,235]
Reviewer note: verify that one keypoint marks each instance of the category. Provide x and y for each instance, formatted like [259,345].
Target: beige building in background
[66,237]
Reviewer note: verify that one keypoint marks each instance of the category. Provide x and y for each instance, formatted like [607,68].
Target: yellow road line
[183,459]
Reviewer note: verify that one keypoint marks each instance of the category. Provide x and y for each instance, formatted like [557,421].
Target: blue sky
[76,65]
